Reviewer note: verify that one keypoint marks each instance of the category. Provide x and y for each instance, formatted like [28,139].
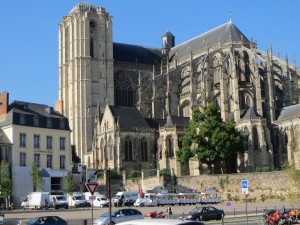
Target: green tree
[209,138]
[5,180]
[68,184]
[75,158]
[37,179]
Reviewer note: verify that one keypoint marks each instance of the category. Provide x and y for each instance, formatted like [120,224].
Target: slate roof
[136,54]
[251,114]
[222,33]
[289,112]
[34,109]
[129,117]
[177,121]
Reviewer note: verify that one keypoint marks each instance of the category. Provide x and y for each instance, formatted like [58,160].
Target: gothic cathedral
[129,105]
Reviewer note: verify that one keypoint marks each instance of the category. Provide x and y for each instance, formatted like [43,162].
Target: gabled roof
[289,112]
[136,54]
[128,117]
[224,33]
[251,114]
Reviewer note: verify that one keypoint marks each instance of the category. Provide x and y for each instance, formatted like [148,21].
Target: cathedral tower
[85,70]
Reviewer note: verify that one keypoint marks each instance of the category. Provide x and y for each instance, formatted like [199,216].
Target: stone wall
[268,186]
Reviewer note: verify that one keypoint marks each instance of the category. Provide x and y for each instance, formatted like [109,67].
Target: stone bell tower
[85,70]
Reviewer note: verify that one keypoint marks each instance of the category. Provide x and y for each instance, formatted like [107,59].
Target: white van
[101,201]
[150,199]
[77,199]
[126,196]
[59,201]
[36,200]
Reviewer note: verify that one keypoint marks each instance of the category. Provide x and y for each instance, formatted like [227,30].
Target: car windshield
[104,199]
[197,209]
[106,214]
[79,197]
[33,220]
[61,198]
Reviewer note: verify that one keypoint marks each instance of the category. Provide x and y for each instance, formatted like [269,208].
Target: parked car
[155,214]
[118,216]
[161,222]
[47,220]
[101,201]
[204,214]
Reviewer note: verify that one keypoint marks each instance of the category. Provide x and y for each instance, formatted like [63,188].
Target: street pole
[246,207]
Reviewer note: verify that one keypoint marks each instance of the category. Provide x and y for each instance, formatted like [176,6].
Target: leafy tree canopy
[37,179]
[209,138]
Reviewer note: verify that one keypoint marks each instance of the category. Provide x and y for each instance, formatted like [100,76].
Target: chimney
[4,101]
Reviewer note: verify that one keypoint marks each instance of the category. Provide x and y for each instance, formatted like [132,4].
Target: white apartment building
[34,134]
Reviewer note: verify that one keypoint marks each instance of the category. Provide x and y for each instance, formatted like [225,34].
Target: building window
[62,143]
[49,122]
[170,147]
[144,151]
[62,124]
[62,162]
[23,140]
[49,161]
[255,138]
[36,141]
[37,160]
[22,159]
[49,142]
[128,149]
[124,90]
[36,121]
[22,119]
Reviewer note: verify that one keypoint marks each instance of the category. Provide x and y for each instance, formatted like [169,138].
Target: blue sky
[29,33]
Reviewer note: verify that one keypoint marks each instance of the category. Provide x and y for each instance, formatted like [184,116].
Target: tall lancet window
[92,28]
[170,147]
[124,91]
[128,149]
[255,138]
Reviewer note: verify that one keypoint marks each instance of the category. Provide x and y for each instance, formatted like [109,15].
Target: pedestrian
[46,204]
[169,211]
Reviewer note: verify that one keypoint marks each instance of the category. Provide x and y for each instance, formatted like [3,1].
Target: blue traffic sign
[244,183]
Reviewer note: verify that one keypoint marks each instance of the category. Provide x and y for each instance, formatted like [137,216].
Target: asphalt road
[78,216]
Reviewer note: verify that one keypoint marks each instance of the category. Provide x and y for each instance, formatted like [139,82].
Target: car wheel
[66,207]
[197,219]
[101,206]
[141,204]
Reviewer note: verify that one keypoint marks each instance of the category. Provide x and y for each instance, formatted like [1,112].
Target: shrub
[266,169]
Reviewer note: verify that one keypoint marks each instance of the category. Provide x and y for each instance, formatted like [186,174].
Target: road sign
[244,183]
[245,189]
[91,175]
[92,187]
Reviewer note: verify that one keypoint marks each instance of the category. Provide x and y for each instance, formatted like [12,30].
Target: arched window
[144,150]
[124,91]
[185,80]
[110,148]
[128,149]
[92,28]
[255,138]
[246,67]
[170,147]
[286,141]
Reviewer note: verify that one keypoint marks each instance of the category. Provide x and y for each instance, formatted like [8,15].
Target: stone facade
[269,186]
[254,88]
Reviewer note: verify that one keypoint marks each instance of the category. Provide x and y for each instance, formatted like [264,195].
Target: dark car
[204,214]
[47,220]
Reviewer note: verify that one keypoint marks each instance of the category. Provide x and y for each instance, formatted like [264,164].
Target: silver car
[118,216]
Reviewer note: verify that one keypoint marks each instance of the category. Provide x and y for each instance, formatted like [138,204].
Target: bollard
[85,222]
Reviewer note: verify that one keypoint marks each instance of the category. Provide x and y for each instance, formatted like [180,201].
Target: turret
[168,42]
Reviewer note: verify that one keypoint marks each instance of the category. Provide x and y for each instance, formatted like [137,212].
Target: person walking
[46,204]
[169,211]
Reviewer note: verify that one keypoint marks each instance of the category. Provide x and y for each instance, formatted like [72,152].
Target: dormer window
[36,121]
[62,124]
[49,122]
[22,119]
